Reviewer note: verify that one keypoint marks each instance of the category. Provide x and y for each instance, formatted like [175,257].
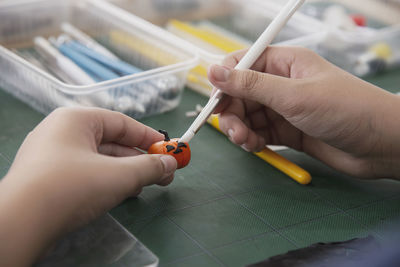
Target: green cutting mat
[228,207]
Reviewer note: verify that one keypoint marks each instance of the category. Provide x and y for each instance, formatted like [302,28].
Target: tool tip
[187,137]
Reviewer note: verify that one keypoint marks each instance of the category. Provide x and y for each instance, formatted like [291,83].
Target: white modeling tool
[246,62]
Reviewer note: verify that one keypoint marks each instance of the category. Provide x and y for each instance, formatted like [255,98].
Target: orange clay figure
[180,151]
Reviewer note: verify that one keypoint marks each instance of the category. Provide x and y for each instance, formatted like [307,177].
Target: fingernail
[230,133]
[169,163]
[220,73]
[244,146]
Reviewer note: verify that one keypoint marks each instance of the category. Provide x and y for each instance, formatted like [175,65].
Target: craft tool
[219,41]
[143,98]
[86,40]
[164,87]
[115,64]
[97,71]
[144,48]
[245,63]
[218,30]
[59,98]
[30,58]
[45,67]
[197,75]
[58,61]
[192,38]
[289,168]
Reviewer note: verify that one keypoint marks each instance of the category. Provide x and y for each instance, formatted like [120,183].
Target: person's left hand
[73,167]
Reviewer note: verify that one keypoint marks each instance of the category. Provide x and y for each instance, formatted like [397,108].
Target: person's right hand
[294,97]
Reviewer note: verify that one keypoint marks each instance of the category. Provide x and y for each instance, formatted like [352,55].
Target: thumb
[263,88]
[132,173]
[153,169]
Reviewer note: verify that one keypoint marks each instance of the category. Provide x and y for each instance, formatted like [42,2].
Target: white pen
[246,62]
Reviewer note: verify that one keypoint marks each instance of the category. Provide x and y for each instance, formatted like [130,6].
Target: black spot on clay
[178,150]
[169,148]
[180,144]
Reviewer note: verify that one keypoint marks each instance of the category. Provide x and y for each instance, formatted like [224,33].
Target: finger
[263,88]
[233,59]
[116,150]
[252,106]
[258,119]
[285,61]
[254,142]
[234,128]
[239,133]
[93,126]
[129,174]
[121,129]
[153,169]
[223,104]
[236,107]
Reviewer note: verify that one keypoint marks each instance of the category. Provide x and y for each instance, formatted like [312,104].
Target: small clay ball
[180,151]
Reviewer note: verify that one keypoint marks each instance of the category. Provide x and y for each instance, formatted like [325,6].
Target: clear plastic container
[102,243]
[157,89]
[376,14]
[361,50]
[360,54]
[240,21]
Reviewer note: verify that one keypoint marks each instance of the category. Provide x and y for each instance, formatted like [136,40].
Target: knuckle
[249,80]
[233,58]
[156,163]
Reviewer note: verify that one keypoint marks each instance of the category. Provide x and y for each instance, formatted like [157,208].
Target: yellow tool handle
[284,165]
[225,44]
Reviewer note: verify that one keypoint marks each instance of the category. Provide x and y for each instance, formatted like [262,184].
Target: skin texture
[73,167]
[79,163]
[294,97]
